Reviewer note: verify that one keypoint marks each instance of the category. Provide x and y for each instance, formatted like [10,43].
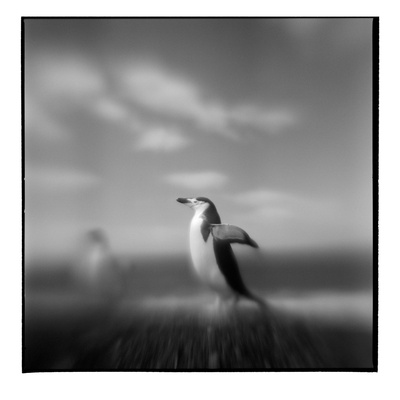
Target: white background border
[297,385]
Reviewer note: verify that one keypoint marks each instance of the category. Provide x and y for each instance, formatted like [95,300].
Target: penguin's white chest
[95,261]
[203,258]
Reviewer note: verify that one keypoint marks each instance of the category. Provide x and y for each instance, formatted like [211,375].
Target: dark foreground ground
[153,330]
[94,337]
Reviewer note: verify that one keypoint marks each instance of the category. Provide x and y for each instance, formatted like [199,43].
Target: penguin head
[198,204]
[202,206]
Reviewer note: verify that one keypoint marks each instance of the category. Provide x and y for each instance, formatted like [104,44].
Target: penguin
[211,252]
[103,271]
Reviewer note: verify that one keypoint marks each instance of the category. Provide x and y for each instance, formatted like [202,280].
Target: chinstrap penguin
[211,252]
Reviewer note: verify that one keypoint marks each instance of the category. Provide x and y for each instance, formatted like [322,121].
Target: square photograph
[198,194]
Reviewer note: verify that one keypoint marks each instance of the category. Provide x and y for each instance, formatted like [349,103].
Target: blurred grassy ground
[133,337]
[186,342]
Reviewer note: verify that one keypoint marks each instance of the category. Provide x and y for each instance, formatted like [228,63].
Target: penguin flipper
[232,234]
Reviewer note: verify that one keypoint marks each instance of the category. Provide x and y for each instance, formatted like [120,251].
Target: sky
[269,118]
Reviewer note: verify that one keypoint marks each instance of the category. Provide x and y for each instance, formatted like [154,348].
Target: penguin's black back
[228,265]
[223,251]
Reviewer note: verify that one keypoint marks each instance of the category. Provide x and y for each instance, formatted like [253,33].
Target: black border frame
[374,176]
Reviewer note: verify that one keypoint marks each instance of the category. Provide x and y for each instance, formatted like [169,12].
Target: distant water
[325,284]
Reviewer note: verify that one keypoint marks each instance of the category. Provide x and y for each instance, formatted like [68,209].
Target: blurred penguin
[100,269]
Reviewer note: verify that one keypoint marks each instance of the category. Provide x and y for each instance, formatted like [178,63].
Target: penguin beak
[183,200]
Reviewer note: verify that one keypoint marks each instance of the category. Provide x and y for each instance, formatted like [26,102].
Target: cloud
[67,76]
[157,89]
[259,209]
[110,109]
[59,179]
[271,121]
[267,204]
[160,91]
[56,86]
[161,139]
[144,98]
[39,123]
[259,197]
[197,180]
